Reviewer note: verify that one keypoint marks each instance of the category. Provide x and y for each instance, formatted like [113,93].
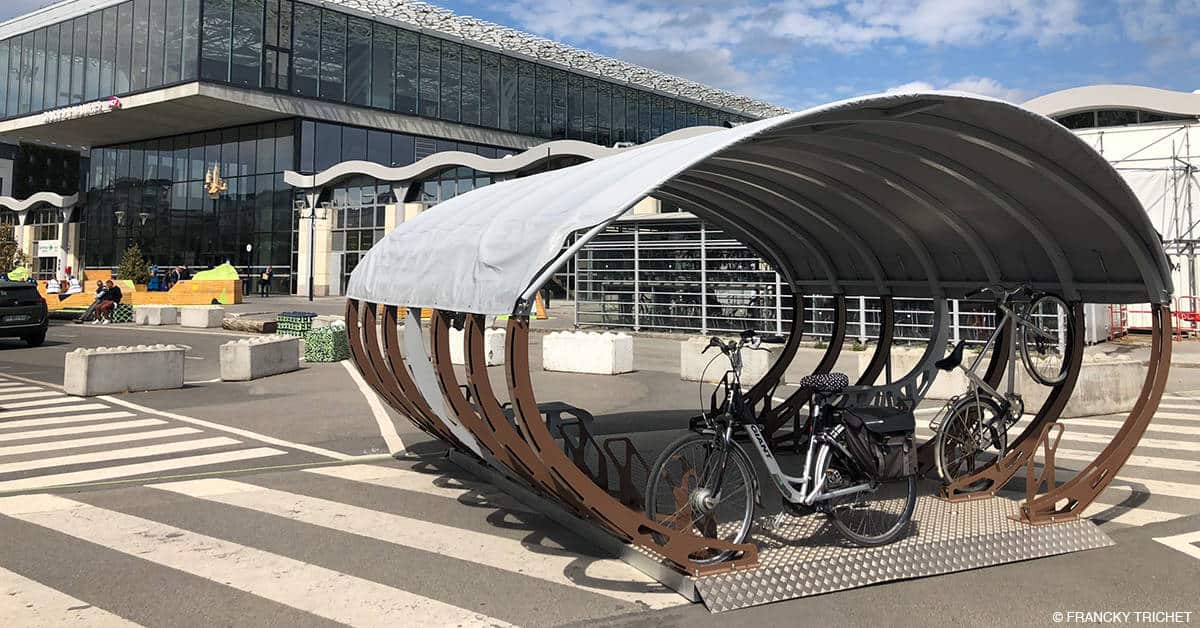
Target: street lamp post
[310,213]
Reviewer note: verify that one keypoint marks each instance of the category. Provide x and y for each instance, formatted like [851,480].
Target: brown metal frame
[988,481]
[677,546]
[1080,491]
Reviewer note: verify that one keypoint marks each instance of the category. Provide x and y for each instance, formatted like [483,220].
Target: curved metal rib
[883,347]
[761,391]
[988,481]
[372,371]
[448,383]
[796,400]
[402,378]
[675,545]
[1080,491]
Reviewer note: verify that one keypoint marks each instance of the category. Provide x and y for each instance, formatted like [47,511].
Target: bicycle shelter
[929,194]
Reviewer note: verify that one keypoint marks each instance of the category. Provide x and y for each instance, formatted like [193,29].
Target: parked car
[23,313]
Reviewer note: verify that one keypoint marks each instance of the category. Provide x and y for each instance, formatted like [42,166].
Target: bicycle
[972,428]
[705,481]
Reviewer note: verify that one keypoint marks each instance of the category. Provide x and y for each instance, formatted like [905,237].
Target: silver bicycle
[972,428]
[859,468]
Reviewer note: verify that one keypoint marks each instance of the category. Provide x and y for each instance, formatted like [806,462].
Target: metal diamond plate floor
[806,556]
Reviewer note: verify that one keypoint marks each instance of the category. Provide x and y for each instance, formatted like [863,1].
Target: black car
[23,313]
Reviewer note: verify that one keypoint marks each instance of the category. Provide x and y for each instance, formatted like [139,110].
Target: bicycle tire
[744,509]
[1037,352]
[847,513]
[946,453]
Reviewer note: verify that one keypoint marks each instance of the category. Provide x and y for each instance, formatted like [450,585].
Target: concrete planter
[205,316]
[252,358]
[156,315]
[693,364]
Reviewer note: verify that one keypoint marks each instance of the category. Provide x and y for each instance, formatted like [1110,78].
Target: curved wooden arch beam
[398,371]
[448,383]
[988,481]
[371,370]
[761,391]
[675,545]
[1080,491]
[883,347]
[796,400]
[525,462]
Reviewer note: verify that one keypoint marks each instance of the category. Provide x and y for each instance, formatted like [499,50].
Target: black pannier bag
[881,441]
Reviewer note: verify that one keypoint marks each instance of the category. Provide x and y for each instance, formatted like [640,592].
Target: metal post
[862,319]
[637,279]
[779,307]
[703,280]
[576,290]
[954,322]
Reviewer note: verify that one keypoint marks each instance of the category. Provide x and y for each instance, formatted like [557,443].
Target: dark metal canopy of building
[918,195]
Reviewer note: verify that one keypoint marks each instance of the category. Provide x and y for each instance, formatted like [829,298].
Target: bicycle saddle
[951,362]
[825,382]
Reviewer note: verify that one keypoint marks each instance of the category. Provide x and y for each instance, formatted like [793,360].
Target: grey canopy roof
[920,195]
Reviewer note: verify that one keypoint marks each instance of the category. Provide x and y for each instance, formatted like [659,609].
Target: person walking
[264,282]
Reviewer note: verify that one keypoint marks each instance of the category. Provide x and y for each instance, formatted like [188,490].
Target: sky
[800,53]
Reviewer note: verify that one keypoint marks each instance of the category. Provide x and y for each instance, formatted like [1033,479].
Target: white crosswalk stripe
[75,435]
[1148,489]
[27,602]
[323,592]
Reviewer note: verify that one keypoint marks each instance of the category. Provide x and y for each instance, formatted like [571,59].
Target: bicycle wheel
[971,437]
[690,489]
[873,517]
[1044,339]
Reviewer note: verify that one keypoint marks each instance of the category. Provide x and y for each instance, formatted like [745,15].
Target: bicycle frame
[1020,321]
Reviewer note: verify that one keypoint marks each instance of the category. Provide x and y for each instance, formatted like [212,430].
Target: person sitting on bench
[108,303]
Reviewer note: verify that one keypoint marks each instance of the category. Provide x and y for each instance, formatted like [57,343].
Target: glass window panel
[542,101]
[229,152]
[508,93]
[247,150]
[246,59]
[218,29]
[196,159]
[333,56]
[526,92]
[558,104]
[173,44]
[308,146]
[631,115]
[604,114]
[265,150]
[5,46]
[431,52]
[181,159]
[470,85]
[574,106]
[39,70]
[354,143]
[50,87]
[306,50]
[156,50]
[141,25]
[328,146]
[618,114]
[489,108]
[358,62]
[191,39]
[379,147]
[407,53]
[645,117]
[383,66]
[91,86]
[285,146]
[589,110]
[402,149]
[451,72]
[26,78]
[78,62]
[271,25]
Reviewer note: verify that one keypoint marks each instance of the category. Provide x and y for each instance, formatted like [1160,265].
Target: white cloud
[1165,27]
[972,84]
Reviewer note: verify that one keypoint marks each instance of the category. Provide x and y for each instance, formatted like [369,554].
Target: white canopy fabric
[923,195]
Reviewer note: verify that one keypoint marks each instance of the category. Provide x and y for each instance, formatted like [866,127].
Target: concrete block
[107,370]
[252,358]
[203,316]
[808,357]
[156,315]
[694,366]
[587,352]
[493,346]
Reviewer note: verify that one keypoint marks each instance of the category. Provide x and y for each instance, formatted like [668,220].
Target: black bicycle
[859,469]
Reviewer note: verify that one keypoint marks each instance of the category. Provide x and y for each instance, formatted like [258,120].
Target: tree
[133,266]
[11,256]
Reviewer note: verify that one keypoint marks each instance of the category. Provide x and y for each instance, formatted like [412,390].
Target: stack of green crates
[294,323]
[327,344]
[123,313]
